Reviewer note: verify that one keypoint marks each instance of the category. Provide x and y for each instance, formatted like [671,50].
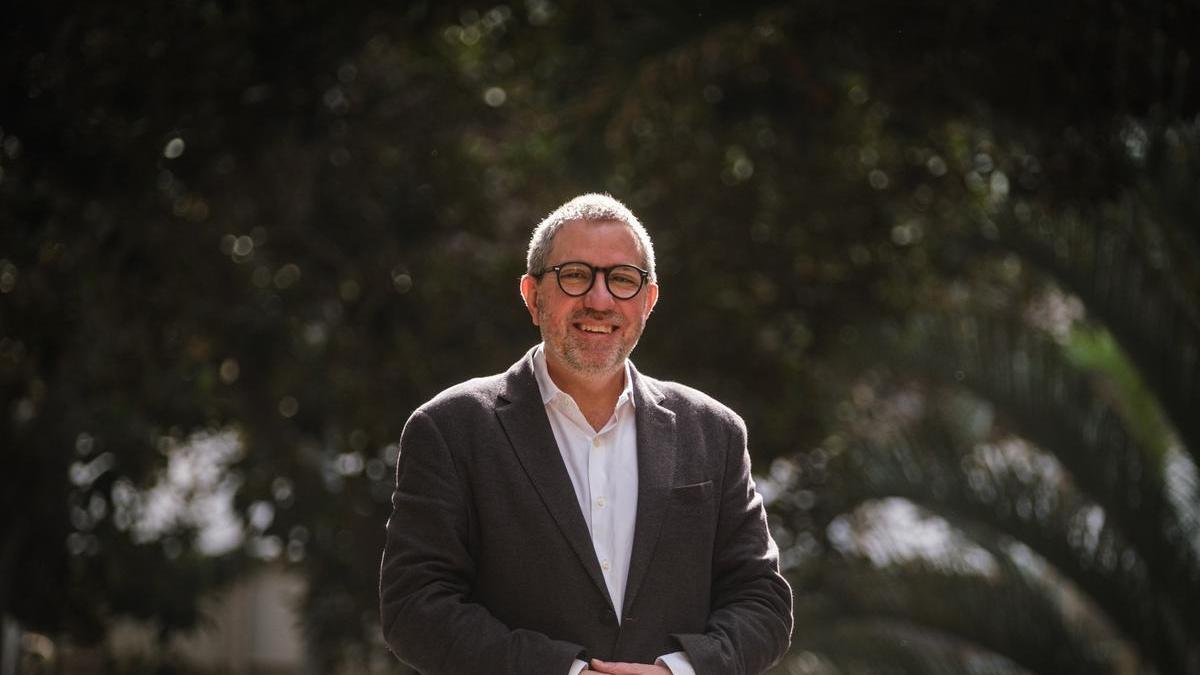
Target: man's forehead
[574,230]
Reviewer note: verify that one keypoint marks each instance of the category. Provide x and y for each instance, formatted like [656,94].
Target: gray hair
[591,207]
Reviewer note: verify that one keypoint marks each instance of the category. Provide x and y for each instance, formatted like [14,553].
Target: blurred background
[943,257]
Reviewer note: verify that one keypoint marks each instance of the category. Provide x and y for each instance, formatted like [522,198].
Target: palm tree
[1054,457]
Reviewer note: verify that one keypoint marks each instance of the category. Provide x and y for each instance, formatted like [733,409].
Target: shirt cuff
[577,667]
[676,662]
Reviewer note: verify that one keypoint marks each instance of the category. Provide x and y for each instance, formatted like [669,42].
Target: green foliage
[1097,351]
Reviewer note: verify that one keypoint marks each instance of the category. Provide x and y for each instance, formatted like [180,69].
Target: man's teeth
[595,329]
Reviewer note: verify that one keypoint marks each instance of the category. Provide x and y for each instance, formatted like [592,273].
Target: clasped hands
[598,667]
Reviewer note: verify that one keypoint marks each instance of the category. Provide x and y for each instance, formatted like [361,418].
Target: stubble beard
[571,352]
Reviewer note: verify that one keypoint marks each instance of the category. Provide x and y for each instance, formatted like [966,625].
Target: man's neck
[596,395]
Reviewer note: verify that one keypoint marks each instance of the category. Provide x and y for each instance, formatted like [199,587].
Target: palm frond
[975,616]
[1028,498]
[1105,261]
[1056,407]
[873,646]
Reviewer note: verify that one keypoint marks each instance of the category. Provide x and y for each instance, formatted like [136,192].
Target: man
[573,515]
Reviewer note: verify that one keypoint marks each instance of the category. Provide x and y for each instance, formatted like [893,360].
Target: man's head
[590,328]
[592,208]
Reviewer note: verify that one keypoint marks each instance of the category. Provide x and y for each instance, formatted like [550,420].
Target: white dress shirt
[602,466]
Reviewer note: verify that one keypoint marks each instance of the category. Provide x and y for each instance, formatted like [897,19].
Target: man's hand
[604,667]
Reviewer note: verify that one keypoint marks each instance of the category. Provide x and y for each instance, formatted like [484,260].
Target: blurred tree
[288,225]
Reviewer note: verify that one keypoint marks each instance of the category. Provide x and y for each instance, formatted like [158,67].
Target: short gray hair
[591,207]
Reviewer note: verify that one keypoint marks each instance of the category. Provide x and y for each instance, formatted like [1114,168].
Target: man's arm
[750,625]
[427,574]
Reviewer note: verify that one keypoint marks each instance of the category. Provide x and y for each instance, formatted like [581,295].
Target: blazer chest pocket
[692,494]
[693,520]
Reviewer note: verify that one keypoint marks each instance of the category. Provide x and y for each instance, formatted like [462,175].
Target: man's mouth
[597,328]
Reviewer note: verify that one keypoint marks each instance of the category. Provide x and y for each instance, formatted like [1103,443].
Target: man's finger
[609,668]
[628,668]
[619,668]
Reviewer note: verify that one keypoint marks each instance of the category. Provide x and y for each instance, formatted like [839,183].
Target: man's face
[591,334]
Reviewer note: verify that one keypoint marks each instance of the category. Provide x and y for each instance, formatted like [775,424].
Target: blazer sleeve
[429,619]
[750,624]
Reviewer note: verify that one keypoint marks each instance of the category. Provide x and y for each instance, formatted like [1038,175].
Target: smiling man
[573,515]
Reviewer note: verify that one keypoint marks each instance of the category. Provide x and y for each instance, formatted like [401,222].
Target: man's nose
[598,296]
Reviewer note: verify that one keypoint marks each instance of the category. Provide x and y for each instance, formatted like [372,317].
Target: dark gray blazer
[489,567]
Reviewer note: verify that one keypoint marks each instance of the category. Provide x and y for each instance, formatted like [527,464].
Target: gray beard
[571,354]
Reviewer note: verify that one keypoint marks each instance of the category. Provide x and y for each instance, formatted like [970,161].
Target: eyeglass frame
[644,275]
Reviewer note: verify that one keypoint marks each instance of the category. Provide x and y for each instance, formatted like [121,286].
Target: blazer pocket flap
[694,492]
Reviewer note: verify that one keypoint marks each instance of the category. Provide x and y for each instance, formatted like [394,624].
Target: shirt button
[600,502]
[605,565]
[596,442]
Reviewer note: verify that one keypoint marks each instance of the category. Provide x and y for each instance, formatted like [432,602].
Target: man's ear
[529,292]
[651,297]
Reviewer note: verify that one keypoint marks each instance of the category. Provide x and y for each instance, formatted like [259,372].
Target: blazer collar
[656,455]
[523,417]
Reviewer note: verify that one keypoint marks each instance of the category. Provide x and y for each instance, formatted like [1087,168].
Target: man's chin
[595,364]
[594,368]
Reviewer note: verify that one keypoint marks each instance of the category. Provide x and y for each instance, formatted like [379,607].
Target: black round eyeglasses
[576,278]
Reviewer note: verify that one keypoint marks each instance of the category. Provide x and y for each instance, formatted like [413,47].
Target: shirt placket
[599,482]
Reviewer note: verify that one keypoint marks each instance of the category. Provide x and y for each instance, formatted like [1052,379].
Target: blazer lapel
[656,450]
[523,416]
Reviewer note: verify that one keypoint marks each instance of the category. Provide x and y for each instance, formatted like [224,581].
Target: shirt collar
[550,391]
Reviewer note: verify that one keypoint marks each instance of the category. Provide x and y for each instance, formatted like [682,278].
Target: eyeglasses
[576,278]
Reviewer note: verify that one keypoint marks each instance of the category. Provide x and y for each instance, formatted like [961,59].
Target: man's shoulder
[475,393]
[683,399]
